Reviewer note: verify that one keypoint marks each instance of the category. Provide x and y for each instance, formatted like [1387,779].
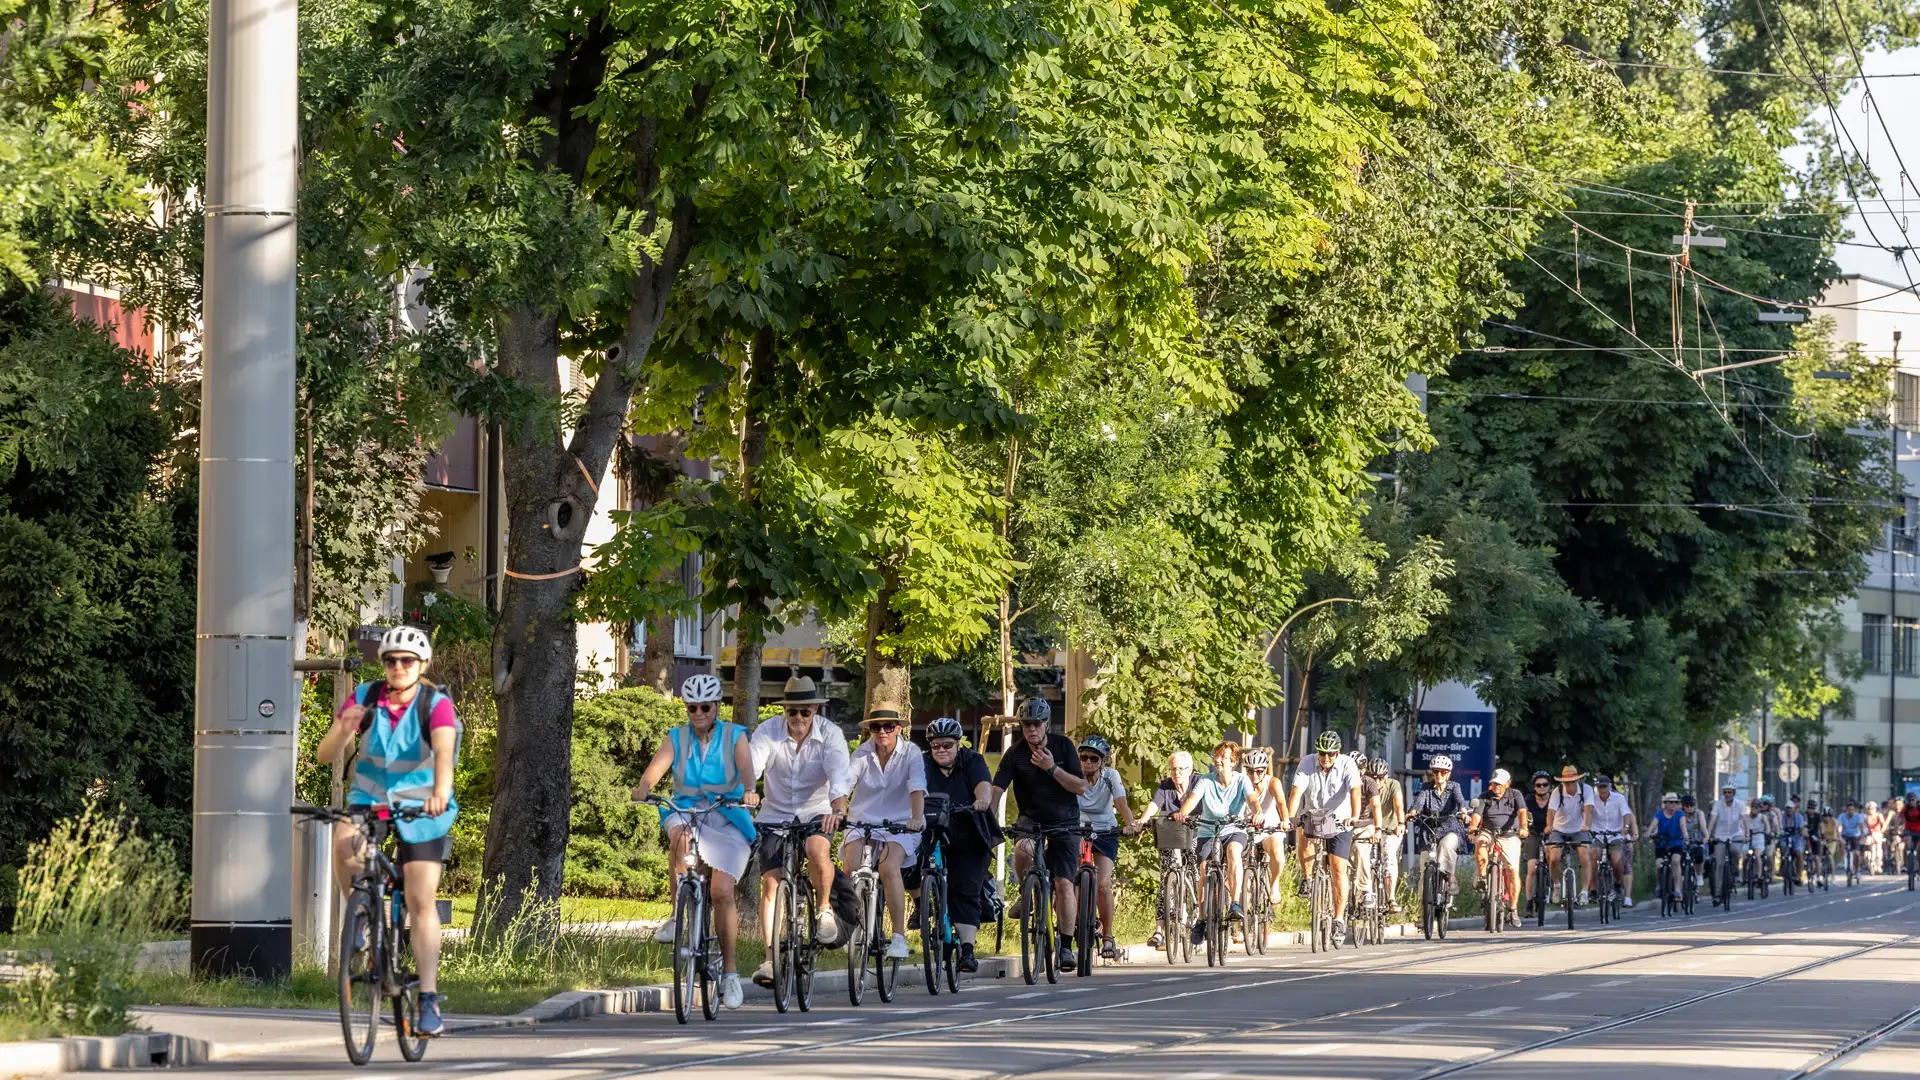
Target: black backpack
[845,903]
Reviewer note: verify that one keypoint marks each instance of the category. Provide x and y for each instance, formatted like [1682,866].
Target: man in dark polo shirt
[1042,770]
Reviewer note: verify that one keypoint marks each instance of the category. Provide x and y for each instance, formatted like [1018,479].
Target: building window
[1906,634]
[1906,404]
[1846,775]
[1874,647]
[689,636]
[1901,534]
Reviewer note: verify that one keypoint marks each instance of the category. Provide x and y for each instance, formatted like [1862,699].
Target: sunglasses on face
[1542,786]
[401,661]
[700,706]
[944,744]
[1090,759]
[800,712]
[889,727]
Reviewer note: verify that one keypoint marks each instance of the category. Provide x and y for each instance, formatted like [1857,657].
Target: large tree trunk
[889,678]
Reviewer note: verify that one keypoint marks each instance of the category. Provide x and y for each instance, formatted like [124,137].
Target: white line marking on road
[1496,1010]
[1612,982]
[1079,989]
[1561,996]
[1176,978]
[1409,1029]
[1314,1048]
[1029,994]
[968,1005]
[588,1051]
[757,1031]
[470,1066]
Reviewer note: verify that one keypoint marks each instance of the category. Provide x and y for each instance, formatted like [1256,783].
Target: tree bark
[889,678]
[1359,714]
[1006,594]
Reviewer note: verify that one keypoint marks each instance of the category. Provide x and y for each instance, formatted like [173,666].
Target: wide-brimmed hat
[801,691]
[1568,773]
[876,717]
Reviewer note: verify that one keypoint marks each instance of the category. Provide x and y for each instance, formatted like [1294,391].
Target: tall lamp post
[246,707]
[1267,658]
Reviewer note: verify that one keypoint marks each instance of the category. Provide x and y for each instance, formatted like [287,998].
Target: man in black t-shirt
[1534,840]
[1042,770]
[1499,819]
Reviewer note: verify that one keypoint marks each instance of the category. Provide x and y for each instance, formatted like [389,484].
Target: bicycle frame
[793,956]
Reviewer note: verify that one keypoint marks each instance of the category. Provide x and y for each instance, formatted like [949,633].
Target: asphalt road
[1812,985]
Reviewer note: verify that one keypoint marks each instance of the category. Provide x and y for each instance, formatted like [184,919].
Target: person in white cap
[1500,817]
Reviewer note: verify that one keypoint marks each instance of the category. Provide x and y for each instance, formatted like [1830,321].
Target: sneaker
[1199,933]
[825,926]
[1626,901]
[664,935]
[1068,959]
[1586,897]
[1235,912]
[1305,886]
[763,975]
[731,995]
[1157,941]
[1108,949]
[1339,931]
[897,948]
[430,1023]
[967,963]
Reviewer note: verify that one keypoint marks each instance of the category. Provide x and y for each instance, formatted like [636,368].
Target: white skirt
[909,843]
[721,845]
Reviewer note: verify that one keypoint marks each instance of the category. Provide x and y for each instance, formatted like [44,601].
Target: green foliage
[453,619]
[613,843]
[96,582]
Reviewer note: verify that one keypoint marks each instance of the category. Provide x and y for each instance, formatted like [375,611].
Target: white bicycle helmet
[1439,762]
[1258,758]
[407,639]
[699,688]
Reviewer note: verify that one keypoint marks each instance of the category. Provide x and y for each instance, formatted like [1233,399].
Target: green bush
[613,846]
[89,896]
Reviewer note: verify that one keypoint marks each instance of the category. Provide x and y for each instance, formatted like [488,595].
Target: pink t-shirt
[442,711]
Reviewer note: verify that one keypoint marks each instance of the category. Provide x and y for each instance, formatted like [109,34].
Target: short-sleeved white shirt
[883,793]
[1564,811]
[1610,814]
[1096,803]
[1330,790]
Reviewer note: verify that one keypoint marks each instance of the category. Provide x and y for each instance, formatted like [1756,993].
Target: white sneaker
[763,975]
[664,935]
[1586,897]
[825,926]
[1626,901]
[897,948]
[731,995]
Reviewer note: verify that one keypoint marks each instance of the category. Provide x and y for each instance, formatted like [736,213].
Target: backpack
[845,903]
[422,713]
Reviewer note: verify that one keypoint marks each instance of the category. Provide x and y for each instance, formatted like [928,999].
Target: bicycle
[1853,862]
[1605,887]
[1178,892]
[939,945]
[1037,956]
[1690,878]
[1723,874]
[1569,877]
[793,948]
[696,953]
[1086,897]
[1257,887]
[867,947]
[1366,911]
[1382,889]
[1499,905]
[1436,900]
[1669,865]
[1320,913]
[1791,863]
[1213,903]
[1538,885]
[374,946]
[1760,878]
[1913,863]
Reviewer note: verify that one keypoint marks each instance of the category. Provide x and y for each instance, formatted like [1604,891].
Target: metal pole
[246,703]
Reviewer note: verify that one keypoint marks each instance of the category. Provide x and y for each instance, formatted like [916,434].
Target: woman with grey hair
[1168,796]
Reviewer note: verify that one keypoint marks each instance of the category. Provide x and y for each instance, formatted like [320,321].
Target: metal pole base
[245,950]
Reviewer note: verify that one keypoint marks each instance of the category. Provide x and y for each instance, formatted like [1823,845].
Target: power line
[1577,399]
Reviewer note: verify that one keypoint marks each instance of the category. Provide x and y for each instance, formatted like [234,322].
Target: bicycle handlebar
[355,814]
[871,827]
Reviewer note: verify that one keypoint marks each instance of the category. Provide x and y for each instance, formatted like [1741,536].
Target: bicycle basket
[1171,835]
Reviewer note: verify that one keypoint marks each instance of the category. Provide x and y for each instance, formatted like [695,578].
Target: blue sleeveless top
[705,775]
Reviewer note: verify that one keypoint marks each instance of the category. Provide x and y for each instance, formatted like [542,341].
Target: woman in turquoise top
[710,760]
[1223,802]
[405,760]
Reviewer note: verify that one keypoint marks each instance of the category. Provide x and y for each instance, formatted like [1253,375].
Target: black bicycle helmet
[1036,711]
[944,728]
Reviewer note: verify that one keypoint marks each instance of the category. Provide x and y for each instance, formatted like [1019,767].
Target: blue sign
[1465,736]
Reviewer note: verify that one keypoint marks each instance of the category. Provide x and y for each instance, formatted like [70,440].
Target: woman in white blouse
[889,784]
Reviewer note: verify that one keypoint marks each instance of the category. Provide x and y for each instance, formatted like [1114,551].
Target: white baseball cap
[1501,776]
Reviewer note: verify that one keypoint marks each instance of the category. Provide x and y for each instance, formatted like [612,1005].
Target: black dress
[971,835]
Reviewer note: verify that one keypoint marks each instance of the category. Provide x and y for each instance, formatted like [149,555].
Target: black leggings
[967,869]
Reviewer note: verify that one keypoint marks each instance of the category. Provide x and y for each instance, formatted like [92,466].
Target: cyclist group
[741,795]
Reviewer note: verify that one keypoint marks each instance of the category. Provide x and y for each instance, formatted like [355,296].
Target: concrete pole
[246,703]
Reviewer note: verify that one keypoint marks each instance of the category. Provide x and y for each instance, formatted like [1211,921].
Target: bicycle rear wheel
[709,954]
[932,924]
[1259,911]
[781,944]
[1173,913]
[1087,914]
[360,947]
[1031,947]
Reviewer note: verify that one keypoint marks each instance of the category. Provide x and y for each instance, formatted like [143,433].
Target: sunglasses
[701,706]
[886,726]
[1090,758]
[1542,786]
[400,661]
[807,711]
[943,744]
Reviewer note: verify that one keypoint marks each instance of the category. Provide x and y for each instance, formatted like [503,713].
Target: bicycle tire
[1439,904]
[359,976]
[782,946]
[1044,934]
[1030,960]
[1258,910]
[859,943]
[949,943]
[1212,914]
[932,943]
[886,971]
[1219,926]
[1913,873]
[406,1023]
[685,955]
[805,950]
[1173,926]
[709,995]
[1427,875]
[1086,895]
[1569,885]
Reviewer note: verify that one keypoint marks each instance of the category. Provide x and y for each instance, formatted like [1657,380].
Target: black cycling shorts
[435,851]
[1062,849]
[772,847]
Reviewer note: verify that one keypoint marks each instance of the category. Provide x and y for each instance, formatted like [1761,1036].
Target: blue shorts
[1107,844]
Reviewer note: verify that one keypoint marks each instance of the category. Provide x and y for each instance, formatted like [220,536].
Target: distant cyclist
[1533,847]
[1103,808]
[1876,837]
[405,759]
[1441,797]
[1367,829]
[1499,819]
[1910,824]
[1670,835]
[1168,797]
[1611,814]
[710,760]
[1570,818]
[1322,803]
[1043,771]
[1219,806]
[1728,829]
[1853,833]
[1393,822]
[1270,804]
[1793,838]
[962,776]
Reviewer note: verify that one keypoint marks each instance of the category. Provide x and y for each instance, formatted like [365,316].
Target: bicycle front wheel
[1210,917]
[1087,903]
[1259,903]
[860,943]
[931,923]
[781,944]
[1043,931]
[1032,927]
[360,971]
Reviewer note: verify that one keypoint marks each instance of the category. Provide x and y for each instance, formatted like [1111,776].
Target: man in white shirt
[1570,817]
[1727,824]
[1324,801]
[1612,815]
[803,761]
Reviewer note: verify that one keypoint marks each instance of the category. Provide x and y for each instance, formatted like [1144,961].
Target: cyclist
[1876,837]
[1046,785]
[1669,830]
[1366,828]
[1168,796]
[1910,825]
[1222,802]
[1441,796]
[395,766]
[803,765]
[1770,832]
[1327,787]
[1499,817]
[1895,833]
[1829,832]
[889,784]
[1611,814]
[710,760]
[1393,823]
[1793,838]
[1532,849]
[1570,817]
[1853,831]
[1697,826]
[1103,806]
[1270,802]
[962,776]
[1728,824]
